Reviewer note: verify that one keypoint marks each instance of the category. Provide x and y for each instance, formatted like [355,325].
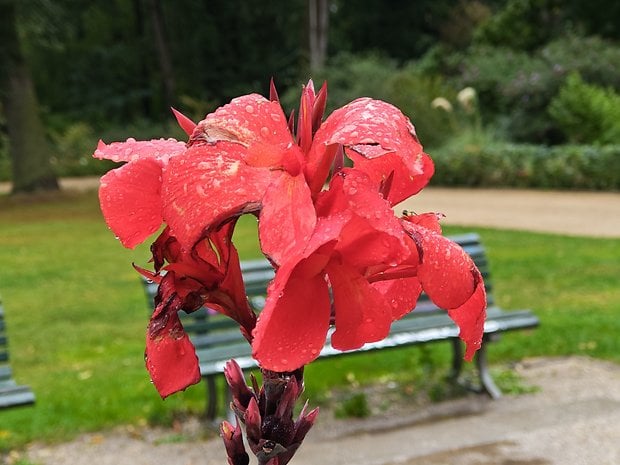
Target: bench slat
[12,395]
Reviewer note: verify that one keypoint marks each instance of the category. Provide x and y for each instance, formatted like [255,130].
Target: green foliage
[522,24]
[73,151]
[514,165]
[587,113]
[355,406]
[516,87]
[510,382]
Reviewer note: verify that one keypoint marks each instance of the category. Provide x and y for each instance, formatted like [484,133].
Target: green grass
[76,315]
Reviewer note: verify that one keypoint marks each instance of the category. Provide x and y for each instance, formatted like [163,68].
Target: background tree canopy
[100,66]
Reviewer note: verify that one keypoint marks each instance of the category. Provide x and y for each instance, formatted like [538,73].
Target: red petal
[403,186]
[380,140]
[446,271]
[292,328]
[287,219]
[131,201]
[304,120]
[361,311]
[186,124]
[401,294]
[373,235]
[208,184]
[132,149]
[171,358]
[470,317]
[246,120]
[318,108]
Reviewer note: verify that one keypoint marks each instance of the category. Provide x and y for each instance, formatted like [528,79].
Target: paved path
[574,419]
[594,214]
[576,213]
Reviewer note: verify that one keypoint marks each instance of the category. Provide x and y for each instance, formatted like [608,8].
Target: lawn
[76,315]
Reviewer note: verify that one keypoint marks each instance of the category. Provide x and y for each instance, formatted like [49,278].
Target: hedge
[516,165]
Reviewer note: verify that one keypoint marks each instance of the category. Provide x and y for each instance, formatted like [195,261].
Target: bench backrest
[208,328]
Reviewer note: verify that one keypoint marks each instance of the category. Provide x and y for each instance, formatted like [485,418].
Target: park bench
[11,394]
[217,338]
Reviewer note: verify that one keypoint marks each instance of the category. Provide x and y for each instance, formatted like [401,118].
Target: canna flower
[340,254]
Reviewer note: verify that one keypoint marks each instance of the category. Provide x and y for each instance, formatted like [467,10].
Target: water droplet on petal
[265,131]
[249,109]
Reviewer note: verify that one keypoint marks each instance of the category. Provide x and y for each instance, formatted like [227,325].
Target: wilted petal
[132,150]
[131,202]
[208,184]
[171,358]
[287,219]
[292,328]
[361,311]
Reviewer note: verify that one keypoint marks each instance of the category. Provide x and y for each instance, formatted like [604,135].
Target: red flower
[340,253]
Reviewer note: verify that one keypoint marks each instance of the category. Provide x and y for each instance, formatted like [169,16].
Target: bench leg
[457,359]
[487,385]
[211,409]
[486,380]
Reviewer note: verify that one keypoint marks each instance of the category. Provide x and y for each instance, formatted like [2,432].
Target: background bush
[516,86]
[532,166]
[587,113]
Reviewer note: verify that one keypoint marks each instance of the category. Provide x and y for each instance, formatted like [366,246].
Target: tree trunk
[163,53]
[28,147]
[318,21]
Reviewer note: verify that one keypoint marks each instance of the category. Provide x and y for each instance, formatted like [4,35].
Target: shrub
[516,88]
[587,113]
[532,166]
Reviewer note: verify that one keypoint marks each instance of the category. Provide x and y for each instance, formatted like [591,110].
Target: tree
[28,147]
[318,22]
